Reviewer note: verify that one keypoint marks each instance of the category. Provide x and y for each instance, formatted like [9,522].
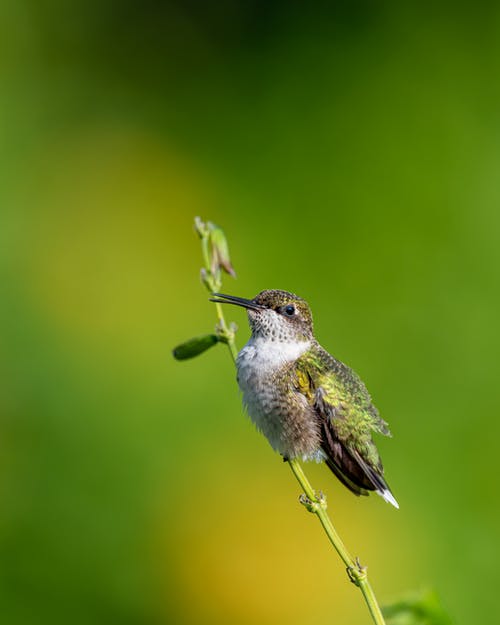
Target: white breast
[259,356]
[256,363]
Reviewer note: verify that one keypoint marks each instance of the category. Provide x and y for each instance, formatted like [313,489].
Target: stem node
[357,573]
[314,505]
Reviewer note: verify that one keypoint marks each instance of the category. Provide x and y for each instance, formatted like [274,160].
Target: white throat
[265,354]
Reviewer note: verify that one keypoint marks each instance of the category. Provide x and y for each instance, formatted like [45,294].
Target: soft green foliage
[422,609]
[195,346]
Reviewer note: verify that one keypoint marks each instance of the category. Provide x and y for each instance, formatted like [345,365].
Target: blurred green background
[351,152]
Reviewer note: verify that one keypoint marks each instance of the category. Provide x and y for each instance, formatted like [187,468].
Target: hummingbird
[307,403]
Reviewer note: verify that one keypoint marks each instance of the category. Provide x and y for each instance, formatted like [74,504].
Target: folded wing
[347,420]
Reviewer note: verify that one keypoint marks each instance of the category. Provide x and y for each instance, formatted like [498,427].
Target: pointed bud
[200,227]
[194,346]
[205,279]
[219,251]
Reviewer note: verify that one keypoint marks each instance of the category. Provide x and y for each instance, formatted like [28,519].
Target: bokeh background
[351,152]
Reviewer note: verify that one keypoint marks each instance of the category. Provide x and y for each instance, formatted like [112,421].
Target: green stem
[229,336]
[213,283]
[314,502]
[317,505]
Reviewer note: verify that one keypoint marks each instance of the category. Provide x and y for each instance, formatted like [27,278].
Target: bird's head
[275,315]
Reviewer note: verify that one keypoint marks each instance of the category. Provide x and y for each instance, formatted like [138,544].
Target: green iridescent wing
[347,418]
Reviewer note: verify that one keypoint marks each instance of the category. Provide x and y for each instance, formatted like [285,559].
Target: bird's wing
[347,419]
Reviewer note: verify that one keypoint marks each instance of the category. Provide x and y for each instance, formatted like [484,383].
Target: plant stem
[211,278]
[316,503]
[229,336]
[313,501]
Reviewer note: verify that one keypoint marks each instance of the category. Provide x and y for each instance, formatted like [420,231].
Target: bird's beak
[220,298]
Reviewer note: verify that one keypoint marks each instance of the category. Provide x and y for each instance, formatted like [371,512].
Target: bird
[308,404]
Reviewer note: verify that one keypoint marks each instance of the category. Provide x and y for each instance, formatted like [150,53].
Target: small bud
[219,251]
[205,279]
[195,346]
[200,227]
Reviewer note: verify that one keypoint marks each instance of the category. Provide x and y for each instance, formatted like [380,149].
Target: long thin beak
[220,298]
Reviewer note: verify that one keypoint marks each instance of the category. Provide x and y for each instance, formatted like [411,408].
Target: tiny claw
[313,505]
[352,574]
[321,497]
[356,573]
[309,505]
[362,569]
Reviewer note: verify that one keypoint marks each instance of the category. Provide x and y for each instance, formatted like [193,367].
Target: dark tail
[356,474]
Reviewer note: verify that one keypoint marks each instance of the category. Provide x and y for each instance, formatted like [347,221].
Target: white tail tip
[388,496]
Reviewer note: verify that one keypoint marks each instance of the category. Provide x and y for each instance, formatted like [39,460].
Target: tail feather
[380,486]
[356,474]
[354,488]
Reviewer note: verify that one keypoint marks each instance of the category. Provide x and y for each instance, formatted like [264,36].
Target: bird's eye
[289,310]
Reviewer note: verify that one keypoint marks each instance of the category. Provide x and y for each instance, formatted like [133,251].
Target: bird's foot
[356,573]
[313,505]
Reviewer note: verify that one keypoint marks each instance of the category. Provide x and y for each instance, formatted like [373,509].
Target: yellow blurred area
[260,557]
[104,244]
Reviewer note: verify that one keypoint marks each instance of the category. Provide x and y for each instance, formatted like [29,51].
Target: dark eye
[289,310]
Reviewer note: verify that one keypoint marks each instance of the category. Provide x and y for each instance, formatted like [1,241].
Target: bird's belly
[266,413]
[281,414]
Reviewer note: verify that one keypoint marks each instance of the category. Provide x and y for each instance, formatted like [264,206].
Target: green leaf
[194,346]
[422,608]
